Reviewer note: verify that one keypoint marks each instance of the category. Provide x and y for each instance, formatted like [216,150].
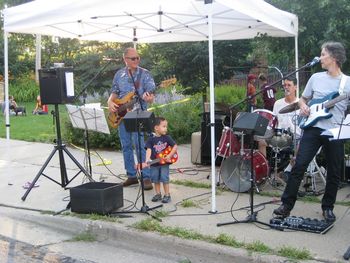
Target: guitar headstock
[168,82]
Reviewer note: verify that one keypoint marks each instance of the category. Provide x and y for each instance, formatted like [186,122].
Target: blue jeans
[129,140]
[160,174]
[310,142]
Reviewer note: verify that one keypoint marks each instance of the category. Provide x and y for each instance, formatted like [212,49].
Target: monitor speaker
[56,85]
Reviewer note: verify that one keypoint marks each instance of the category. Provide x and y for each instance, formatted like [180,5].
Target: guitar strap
[137,83]
[342,84]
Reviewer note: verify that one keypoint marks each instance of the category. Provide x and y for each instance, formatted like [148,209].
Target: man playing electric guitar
[132,79]
[319,86]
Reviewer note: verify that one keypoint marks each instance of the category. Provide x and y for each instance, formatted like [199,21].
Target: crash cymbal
[291,107]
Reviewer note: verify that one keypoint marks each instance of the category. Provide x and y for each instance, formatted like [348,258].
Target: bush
[24,89]
[183,118]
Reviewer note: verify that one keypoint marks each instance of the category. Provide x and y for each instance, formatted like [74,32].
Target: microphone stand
[252,217]
[83,93]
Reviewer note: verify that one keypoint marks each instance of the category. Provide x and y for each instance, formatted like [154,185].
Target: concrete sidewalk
[21,161]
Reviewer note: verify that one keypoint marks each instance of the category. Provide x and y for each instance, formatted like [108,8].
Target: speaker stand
[60,148]
[252,217]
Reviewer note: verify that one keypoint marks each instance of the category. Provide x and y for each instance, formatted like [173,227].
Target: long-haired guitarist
[320,116]
[132,86]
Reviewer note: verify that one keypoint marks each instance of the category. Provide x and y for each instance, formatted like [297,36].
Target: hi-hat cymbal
[291,107]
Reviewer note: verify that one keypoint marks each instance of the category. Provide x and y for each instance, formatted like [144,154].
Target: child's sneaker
[157,198]
[166,199]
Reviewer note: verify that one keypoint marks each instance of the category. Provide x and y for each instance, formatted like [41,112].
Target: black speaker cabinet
[206,137]
[250,123]
[54,84]
[96,197]
[142,120]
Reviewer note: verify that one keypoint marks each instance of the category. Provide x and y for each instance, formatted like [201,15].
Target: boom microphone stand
[307,65]
[83,92]
[241,124]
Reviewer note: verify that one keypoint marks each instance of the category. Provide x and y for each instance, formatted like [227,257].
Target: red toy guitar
[160,158]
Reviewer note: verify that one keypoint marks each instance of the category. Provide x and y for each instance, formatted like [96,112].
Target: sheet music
[340,132]
[90,118]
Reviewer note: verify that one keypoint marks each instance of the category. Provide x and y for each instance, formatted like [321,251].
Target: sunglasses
[133,58]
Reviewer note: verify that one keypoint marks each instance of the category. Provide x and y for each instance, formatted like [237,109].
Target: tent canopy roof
[150,21]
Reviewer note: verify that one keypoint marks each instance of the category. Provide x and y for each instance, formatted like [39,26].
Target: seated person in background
[39,107]
[12,103]
[286,121]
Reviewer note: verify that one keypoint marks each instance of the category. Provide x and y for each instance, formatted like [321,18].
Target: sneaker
[282,211]
[166,199]
[147,184]
[328,215]
[130,181]
[157,198]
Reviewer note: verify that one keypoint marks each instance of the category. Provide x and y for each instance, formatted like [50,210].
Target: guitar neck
[331,103]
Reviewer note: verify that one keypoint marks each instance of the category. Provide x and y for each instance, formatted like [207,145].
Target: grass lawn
[39,128]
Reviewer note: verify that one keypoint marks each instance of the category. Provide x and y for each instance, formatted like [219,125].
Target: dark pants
[310,142]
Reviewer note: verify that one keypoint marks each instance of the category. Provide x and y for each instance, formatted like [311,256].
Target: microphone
[110,59]
[314,62]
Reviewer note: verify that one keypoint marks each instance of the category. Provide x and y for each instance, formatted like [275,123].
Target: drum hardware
[312,171]
[274,179]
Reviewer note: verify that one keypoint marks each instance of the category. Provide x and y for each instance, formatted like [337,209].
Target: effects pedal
[301,224]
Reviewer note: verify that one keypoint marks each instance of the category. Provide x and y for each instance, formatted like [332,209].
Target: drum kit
[235,170]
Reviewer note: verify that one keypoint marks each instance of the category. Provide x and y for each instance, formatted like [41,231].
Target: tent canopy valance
[150,21]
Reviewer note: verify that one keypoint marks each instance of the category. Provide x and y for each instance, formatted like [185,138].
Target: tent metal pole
[297,62]
[212,110]
[37,57]
[6,71]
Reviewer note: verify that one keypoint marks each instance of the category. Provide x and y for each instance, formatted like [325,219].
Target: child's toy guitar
[160,158]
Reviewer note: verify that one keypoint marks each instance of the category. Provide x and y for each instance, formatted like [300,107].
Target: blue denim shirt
[123,84]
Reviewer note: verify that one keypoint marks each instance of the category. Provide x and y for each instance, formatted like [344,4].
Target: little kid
[156,146]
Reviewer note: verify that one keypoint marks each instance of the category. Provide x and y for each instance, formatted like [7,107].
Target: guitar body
[318,110]
[160,158]
[125,104]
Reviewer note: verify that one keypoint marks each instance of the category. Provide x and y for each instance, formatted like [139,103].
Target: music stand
[252,124]
[140,121]
[88,117]
[61,148]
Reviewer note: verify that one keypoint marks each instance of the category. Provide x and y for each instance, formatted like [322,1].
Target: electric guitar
[127,103]
[160,158]
[319,109]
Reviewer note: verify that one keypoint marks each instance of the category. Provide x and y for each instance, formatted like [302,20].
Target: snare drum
[236,170]
[271,125]
[282,138]
[229,143]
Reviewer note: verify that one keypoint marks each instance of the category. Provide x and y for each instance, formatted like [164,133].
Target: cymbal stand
[312,171]
[275,180]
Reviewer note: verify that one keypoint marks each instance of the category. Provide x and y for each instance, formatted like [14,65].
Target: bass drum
[236,170]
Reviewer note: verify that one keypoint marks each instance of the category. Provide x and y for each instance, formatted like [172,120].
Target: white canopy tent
[151,21]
